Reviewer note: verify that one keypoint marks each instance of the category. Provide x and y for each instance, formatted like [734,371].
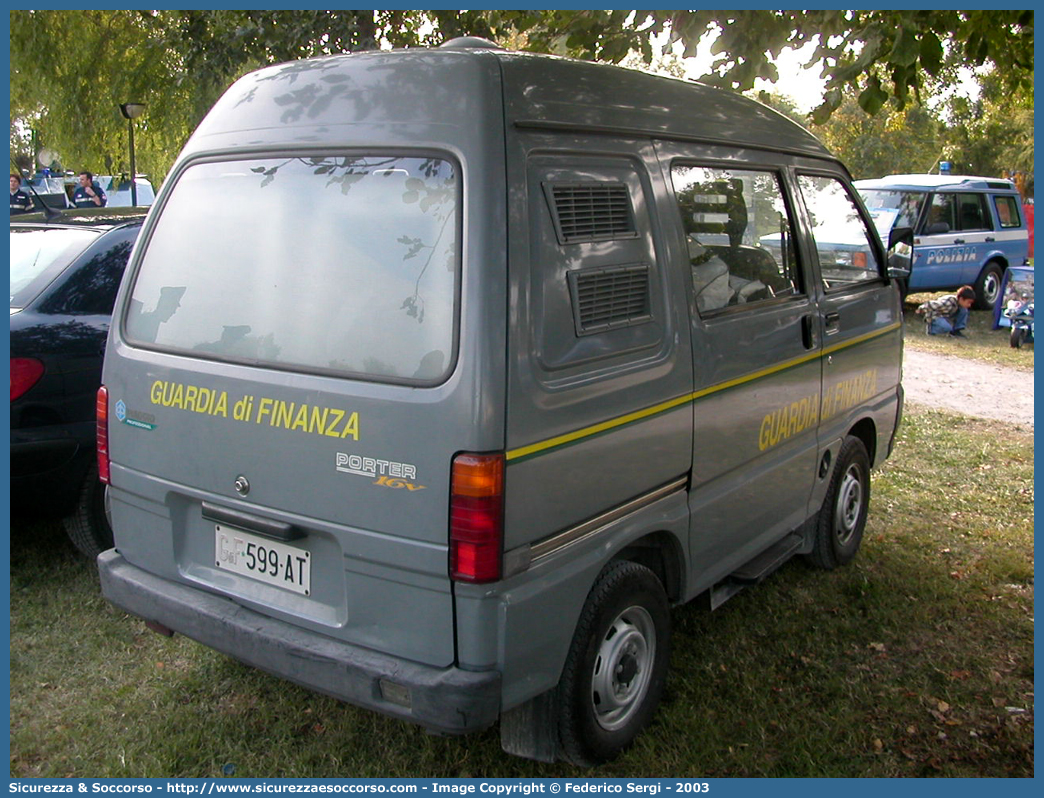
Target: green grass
[982,342]
[915,660]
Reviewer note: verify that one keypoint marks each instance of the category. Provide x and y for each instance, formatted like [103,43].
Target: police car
[968,229]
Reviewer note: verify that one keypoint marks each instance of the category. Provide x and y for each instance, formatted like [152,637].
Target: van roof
[936,182]
[340,96]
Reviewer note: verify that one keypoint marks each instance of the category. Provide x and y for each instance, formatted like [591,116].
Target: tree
[781,103]
[890,142]
[888,54]
[72,69]
[991,134]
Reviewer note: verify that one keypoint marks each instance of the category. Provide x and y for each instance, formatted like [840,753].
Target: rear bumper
[447,700]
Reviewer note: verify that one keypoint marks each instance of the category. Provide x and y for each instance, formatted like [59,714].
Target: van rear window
[344,265]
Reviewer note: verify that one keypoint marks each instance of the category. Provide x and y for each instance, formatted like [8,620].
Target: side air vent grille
[585,212]
[604,299]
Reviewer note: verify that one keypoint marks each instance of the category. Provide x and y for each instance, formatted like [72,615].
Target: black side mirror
[900,252]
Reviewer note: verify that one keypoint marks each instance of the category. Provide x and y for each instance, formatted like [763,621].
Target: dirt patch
[970,387]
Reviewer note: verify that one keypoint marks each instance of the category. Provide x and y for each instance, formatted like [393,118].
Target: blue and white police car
[967,229]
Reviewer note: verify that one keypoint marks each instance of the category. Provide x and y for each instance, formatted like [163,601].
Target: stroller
[1015,308]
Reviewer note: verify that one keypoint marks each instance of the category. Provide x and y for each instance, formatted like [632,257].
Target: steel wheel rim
[849,505]
[623,668]
[990,287]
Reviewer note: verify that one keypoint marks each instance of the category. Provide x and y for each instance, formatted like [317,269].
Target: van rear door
[284,400]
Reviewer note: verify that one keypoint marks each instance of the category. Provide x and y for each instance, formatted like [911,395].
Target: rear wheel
[617,664]
[839,530]
[88,524]
[987,287]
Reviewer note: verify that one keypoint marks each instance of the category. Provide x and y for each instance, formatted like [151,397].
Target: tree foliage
[990,134]
[887,54]
[71,69]
[890,142]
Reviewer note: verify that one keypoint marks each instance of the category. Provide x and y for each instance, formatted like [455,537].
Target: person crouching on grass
[948,315]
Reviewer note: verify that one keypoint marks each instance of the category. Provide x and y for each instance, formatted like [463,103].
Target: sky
[803,86]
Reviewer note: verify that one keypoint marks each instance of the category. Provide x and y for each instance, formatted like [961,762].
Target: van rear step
[755,570]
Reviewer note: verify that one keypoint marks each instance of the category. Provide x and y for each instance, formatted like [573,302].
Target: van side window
[1007,212]
[739,234]
[842,239]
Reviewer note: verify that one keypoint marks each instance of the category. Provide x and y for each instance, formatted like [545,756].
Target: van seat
[755,263]
[710,282]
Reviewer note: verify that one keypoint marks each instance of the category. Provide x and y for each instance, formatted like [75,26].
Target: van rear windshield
[344,265]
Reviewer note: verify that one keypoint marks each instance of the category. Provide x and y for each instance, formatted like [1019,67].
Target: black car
[65,271]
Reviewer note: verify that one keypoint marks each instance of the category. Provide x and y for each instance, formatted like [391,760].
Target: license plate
[269,561]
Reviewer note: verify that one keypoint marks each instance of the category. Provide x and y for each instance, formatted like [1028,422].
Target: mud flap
[530,730]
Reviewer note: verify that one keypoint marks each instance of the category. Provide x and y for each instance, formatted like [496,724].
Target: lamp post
[130,112]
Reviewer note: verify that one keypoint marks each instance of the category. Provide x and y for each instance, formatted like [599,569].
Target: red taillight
[102,430]
[859,260]
[25,373]
[476,517]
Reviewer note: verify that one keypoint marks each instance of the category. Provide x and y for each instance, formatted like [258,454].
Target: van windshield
[890,208]
[344,265]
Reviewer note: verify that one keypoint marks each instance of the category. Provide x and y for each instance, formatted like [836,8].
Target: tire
[987,287]
[616,666]
[839,529]
[88,524]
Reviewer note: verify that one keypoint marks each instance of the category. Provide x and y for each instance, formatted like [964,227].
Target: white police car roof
[929,182]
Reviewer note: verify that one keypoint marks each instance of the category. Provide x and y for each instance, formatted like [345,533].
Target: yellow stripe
[569,437]
[862,338]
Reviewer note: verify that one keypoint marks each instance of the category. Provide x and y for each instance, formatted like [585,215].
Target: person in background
[21,202]
[948,315]
[88,194]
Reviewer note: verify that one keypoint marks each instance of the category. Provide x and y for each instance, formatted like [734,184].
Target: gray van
[439,376]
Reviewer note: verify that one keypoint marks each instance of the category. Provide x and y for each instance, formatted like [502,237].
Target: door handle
[808,332]
[833,323]
[958,241]
[990,239]
[276,530]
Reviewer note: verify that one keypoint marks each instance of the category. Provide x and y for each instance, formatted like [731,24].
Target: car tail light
[476,517]
[25,373]
[859,260]
[102,430]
